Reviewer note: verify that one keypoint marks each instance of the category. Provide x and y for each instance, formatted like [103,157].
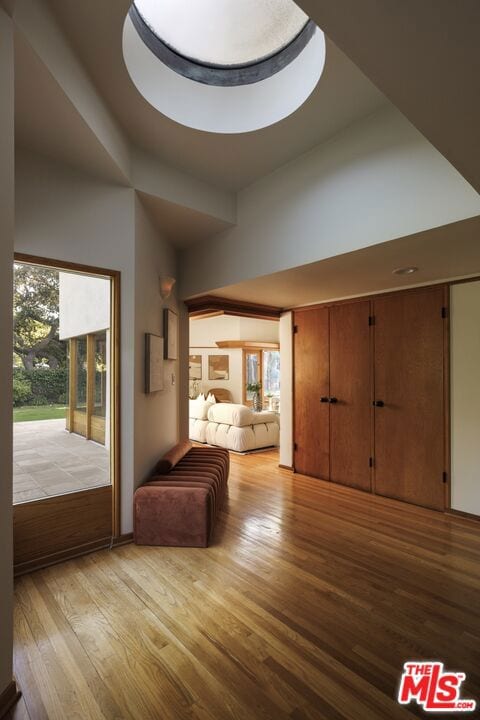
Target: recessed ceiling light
[405,270]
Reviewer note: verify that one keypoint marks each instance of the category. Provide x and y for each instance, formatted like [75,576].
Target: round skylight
[225,66]
[224,32]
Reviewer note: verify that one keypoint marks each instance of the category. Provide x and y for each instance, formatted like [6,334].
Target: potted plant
[255,389]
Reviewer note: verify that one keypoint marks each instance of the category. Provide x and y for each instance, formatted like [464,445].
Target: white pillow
[211,398]
[198,409]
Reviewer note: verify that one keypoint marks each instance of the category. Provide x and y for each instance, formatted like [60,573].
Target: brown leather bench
[178,505]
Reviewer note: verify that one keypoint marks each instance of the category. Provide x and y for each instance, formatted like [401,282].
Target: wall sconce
[165,286]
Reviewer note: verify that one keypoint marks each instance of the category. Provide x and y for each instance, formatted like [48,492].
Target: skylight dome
[226,66]
[224,32]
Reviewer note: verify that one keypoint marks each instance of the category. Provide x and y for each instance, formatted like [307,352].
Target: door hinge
[370,462]
[444,312]
[371,319]
[295,329]
[445,477]
[295,446]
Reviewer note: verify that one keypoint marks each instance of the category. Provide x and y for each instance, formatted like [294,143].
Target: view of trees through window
[40,363]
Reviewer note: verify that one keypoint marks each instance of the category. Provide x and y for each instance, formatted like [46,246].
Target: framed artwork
[195,367]
[170,331]
[218,367]
[153,363]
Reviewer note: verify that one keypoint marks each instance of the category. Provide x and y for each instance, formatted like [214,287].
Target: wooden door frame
[115,399]
[245,352]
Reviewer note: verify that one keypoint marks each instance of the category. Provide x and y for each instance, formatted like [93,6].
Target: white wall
[84,304]
[376,181]
[6,264]
[63,215]
[234,383]
[206,332]
[286,390]
[156,414]
[465,396]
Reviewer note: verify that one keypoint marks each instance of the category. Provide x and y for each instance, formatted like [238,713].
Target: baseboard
[78,551]
[8,698]
[465,515]
[62,556]
[122,539]
[286,467]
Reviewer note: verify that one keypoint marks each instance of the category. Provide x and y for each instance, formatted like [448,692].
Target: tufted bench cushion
[178,505]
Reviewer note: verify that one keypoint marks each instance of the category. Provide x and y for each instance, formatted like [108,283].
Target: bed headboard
[222,395]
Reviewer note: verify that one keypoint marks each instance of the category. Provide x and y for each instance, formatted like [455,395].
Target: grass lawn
[38,412]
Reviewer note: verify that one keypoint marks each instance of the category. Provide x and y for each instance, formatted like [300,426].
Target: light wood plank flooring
[306,606]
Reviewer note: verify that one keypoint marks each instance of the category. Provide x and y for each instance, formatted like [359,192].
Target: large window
[262,366]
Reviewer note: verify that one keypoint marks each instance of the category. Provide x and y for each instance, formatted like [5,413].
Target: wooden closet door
[311,415]
[409,380]
[351,395]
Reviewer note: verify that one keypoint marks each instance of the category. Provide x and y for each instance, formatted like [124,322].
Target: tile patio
[48,461]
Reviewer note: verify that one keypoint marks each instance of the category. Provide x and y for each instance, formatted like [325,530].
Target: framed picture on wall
[195,367]
[153,363]
[218,367]
[170,331]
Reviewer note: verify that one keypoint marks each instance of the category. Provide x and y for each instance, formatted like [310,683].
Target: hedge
[42,386]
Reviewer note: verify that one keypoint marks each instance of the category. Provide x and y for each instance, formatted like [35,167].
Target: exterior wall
[376,181]
[6,265]
[465,396]
[84,305]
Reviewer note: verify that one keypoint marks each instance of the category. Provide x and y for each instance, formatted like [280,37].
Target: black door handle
[378,403]
[333,400]
[324,399]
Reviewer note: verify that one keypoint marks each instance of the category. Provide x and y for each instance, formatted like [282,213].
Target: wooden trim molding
[8,698]
[211,305]
[124,539]
[286,467]
[248,344]
[115,277]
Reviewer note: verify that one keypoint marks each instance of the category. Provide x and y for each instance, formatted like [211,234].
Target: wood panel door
[311,416]
[351,395]
[409,381]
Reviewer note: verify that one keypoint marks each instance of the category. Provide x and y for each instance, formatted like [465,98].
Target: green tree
[36,317]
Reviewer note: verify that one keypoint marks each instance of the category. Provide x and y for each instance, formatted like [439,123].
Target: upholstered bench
[178,505]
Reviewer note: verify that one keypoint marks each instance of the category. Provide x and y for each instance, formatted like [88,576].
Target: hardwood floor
[307,605]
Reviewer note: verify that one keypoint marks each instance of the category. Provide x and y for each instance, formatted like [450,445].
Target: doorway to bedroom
[235,381]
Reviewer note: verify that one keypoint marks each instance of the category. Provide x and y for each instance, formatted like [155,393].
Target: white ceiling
[446,252]
[47,123]
[343,96]
[183,226]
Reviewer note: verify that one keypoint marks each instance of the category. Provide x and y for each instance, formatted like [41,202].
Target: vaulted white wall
[156,414]
[376,181]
